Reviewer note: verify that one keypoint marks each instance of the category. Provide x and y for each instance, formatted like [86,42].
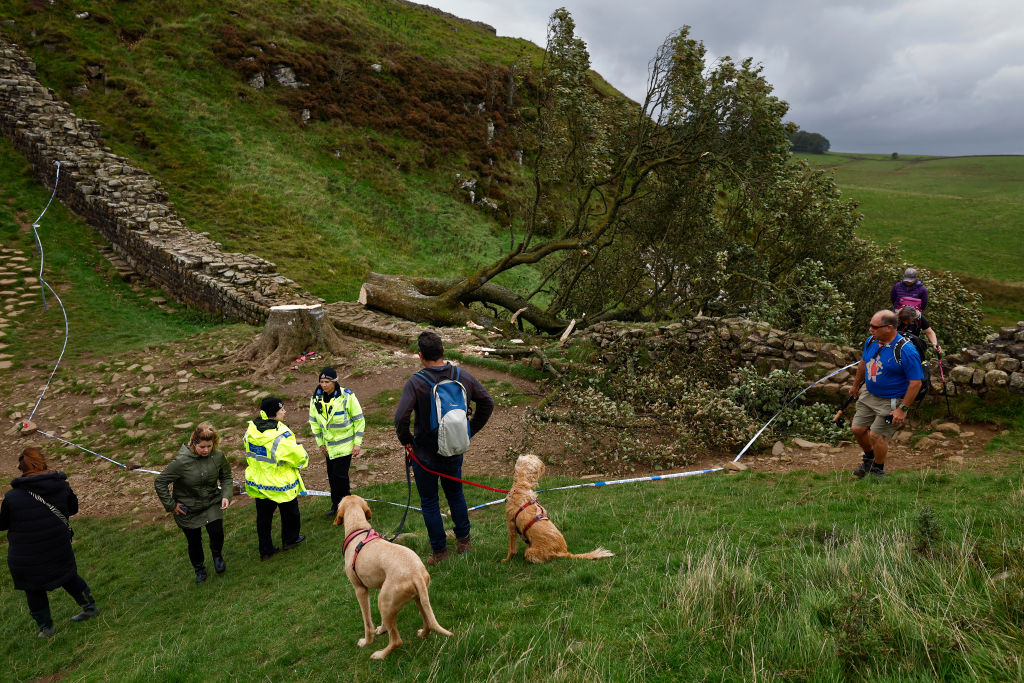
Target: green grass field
[797,577]
[962,214]
[104,313]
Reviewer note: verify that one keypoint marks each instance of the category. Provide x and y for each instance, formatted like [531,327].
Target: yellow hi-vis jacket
[273,461]
[337,422]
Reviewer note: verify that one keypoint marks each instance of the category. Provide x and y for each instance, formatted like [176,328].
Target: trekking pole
[945,393]
[838,420]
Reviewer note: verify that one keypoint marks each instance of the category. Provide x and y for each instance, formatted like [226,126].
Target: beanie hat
[329,373]
[270,405]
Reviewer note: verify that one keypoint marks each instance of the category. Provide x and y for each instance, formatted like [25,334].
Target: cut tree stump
[290,332]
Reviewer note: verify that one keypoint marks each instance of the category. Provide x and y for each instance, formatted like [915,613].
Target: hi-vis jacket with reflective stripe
[337,421]
[273,459]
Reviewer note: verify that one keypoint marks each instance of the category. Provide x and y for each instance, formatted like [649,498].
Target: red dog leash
[408,449]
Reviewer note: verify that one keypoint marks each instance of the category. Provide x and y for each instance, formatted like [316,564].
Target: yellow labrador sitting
[525,517]
[372,562]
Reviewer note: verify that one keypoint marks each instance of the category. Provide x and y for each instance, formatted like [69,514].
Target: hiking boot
[289,546]
[462,546]
[436,558]
[267,556]
[330,513]
[200,572]
[219,565]
[46,632]
[876,472]
[88,612]
[863,469]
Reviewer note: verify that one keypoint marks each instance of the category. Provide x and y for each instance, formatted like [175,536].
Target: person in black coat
[35,514]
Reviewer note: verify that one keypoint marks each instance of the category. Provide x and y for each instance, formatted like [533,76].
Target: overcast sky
[939,77]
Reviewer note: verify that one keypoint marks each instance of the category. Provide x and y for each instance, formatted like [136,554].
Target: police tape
[656,477]
[766,424]
[241,487]
[43,286]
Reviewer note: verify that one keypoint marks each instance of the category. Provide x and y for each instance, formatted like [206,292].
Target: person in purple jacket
[909,291]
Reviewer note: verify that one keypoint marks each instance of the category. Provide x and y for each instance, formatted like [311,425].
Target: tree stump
[290,332]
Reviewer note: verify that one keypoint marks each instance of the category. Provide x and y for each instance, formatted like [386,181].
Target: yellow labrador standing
[525,517]
[372,562]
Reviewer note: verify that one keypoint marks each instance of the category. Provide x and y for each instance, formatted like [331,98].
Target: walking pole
[942,374]
[838,420]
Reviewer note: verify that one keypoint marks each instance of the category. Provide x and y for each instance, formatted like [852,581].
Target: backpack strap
[425,379]
[897,350]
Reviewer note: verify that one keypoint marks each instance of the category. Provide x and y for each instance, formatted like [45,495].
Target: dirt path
[139,406]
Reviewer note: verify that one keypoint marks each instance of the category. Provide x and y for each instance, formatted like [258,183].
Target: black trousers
[76,587]
[337,477]
[290,522]
[215,530]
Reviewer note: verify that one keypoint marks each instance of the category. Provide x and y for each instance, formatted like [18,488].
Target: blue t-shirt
[883,376]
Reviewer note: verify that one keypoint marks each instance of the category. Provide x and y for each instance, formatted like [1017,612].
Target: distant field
[962,214]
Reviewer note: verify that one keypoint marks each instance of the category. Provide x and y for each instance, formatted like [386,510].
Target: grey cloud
[914,76]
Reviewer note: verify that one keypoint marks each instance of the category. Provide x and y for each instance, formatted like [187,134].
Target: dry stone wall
[128,206]
[996,364]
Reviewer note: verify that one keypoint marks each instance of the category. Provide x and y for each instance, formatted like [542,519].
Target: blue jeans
[426,484]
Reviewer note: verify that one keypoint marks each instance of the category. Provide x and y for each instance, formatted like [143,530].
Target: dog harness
[542,514]
[371,535]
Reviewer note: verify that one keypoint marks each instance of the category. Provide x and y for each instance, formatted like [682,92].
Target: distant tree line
[802,141]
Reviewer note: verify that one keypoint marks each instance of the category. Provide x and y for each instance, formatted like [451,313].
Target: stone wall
[998,363]
[745,341]
[128,206]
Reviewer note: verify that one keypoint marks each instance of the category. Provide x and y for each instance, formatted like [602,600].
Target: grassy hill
[963,214]
[398,103]
[802,577]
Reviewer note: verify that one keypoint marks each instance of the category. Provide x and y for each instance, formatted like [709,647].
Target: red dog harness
[542,514]
[371,535]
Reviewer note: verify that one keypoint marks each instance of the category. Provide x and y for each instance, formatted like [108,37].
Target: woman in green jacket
[202,488]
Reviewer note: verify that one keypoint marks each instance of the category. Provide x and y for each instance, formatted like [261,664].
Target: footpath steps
[19,289]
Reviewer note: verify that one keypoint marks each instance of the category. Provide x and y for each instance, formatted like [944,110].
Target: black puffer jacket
[39,550]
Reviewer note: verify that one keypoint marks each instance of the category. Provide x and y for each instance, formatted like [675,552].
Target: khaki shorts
[872,411]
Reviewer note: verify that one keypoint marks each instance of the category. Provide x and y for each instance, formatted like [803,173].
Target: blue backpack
[449,419]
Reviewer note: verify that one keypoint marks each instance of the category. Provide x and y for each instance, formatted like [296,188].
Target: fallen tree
[443,301]
[597,165]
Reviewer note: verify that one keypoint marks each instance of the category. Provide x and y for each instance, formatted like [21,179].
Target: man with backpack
[891,374]
[439,395]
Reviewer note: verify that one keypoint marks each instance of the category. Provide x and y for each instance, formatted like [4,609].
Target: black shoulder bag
[60,516]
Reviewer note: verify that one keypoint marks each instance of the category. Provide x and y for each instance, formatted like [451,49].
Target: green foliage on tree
[687,203]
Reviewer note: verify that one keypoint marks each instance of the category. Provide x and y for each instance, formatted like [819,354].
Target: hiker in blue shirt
[417,396]
[890,372]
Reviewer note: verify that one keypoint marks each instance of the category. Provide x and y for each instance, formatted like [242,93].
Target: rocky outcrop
[128,206]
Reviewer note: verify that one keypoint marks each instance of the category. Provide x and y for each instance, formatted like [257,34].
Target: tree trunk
[428,300]
[290,332]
